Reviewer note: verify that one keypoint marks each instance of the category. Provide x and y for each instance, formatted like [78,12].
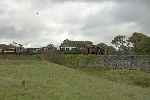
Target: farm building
[69,46]
[48,48]
[84,47]
[7,49]
[11,49]
[32,51]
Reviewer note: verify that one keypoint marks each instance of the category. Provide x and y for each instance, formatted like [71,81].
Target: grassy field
[29,78]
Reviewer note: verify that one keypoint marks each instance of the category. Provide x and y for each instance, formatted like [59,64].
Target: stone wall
[118,62]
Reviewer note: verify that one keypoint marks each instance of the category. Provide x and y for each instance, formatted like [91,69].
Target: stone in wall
[118,62]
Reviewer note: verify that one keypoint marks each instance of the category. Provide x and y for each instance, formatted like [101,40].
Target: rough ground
[33,79]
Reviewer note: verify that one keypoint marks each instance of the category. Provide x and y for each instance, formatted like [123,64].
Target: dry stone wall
[118,62]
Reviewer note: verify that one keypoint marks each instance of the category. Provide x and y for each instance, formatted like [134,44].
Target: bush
[136,77]
[143,82]
[53,56]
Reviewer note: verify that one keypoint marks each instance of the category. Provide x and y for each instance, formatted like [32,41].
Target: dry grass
[33,79]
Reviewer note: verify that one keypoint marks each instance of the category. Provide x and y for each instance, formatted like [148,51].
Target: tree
[121,43]
[50,46]
[111,50]
[106,49]
[136,39]
[103,47]
[143,47]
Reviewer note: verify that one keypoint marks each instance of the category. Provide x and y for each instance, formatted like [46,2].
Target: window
[67,49]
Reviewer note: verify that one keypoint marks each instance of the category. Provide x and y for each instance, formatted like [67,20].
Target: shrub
[143,82]
[53,56]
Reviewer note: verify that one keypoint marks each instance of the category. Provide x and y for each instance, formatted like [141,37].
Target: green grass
[29,78]
[131,77]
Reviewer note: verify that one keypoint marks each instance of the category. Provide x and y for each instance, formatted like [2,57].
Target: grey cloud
[147,2]
[124,12]
[56,17]
[134,15]
[133,12]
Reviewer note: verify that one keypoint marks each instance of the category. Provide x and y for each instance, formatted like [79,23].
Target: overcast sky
[39,22]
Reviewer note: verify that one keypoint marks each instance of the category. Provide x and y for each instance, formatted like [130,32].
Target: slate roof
[69,43]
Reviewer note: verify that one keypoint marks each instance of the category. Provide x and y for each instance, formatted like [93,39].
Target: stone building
[83,47]
[7,49]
